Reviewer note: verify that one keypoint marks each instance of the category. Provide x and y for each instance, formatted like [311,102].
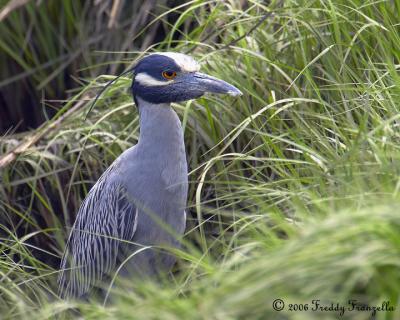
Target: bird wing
[105,217]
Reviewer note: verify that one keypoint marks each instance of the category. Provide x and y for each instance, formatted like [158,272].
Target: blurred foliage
[48,48]
[294,188]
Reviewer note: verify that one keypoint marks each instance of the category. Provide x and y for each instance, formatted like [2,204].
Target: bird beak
[208,83]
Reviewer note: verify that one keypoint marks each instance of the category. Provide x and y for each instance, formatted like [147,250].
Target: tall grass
[294,189]
[48,48]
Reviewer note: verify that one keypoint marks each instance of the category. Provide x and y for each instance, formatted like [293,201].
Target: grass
[294,189]
[49,48]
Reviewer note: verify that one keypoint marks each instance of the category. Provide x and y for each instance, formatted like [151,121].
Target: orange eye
[169,75]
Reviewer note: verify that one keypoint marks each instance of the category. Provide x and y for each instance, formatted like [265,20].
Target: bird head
[173,77]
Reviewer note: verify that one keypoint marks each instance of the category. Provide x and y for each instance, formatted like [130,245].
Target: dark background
[47,46]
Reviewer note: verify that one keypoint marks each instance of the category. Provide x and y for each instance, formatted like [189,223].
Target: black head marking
[155,64]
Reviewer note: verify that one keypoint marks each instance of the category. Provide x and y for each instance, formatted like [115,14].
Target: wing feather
[105,217]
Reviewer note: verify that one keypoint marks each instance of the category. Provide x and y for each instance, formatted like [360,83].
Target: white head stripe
[186,63]
[147,80]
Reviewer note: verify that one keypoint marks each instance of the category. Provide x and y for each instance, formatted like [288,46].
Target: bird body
[138,204]
[160,172]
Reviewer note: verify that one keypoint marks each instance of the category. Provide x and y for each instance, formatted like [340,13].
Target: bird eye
[169,75]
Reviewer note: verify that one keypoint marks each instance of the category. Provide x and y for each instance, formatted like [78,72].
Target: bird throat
[161,143]
[161,134]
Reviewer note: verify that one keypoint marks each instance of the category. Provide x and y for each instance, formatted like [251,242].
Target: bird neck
[160,129]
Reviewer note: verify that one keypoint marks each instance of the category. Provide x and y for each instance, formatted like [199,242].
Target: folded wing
[105,219]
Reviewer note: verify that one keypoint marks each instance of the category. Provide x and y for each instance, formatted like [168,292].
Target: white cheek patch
[148,81]
[186,63]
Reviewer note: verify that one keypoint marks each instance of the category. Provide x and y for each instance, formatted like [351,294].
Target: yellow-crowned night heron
[140,200]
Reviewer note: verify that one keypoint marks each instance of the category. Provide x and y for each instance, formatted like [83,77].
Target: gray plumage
[140,199]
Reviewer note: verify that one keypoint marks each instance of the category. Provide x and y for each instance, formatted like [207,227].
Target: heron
[138,204]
